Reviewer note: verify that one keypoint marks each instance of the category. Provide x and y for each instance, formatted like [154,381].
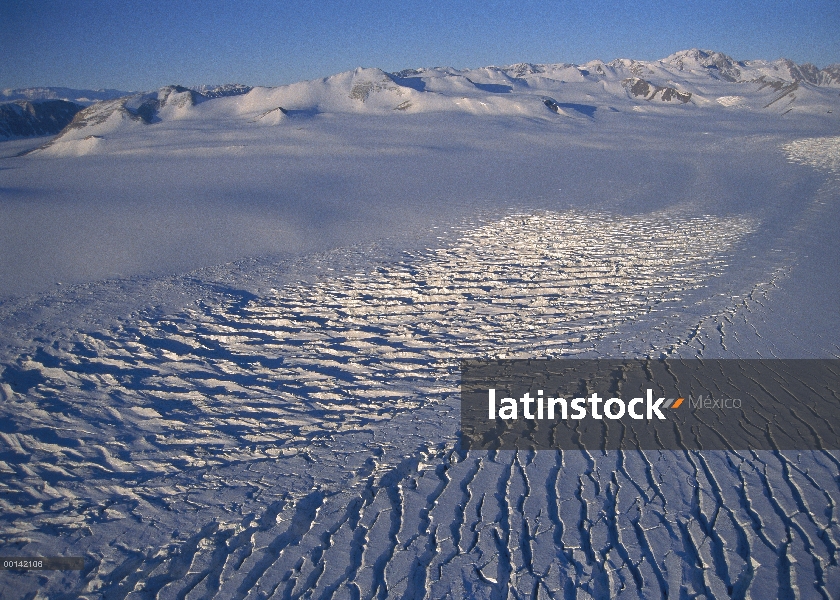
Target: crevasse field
[230,330]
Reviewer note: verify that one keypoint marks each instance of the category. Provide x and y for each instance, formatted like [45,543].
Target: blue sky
[133,45]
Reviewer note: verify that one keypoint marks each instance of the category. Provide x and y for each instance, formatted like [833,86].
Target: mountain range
[690,79]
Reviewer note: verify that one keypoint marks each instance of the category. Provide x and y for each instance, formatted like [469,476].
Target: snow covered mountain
[724,67]
[693,79]
[28,112]
[43,111]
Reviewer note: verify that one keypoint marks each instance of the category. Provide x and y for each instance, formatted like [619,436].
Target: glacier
[232,318]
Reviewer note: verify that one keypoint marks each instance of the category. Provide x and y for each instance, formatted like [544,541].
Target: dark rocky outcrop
[640,88]
[24,118]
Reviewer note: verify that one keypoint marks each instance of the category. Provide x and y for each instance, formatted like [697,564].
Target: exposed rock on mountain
[830,75]
[220,91]
[146,106]
[552,105]
[640,88]
[273,116]
[785,97]
[23,118]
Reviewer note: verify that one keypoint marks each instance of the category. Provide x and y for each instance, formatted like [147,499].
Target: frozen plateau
[231,320]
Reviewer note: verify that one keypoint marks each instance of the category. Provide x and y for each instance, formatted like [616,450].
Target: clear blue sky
[134,45]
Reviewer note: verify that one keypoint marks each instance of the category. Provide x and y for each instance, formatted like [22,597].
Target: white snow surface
[246,383]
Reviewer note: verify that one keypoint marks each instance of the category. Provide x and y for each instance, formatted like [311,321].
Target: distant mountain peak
[705,57]
[84,97]
[688,60]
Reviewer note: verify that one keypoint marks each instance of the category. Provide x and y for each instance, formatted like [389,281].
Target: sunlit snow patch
[242,376]
[733,101]
[79,147]
[819,152]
